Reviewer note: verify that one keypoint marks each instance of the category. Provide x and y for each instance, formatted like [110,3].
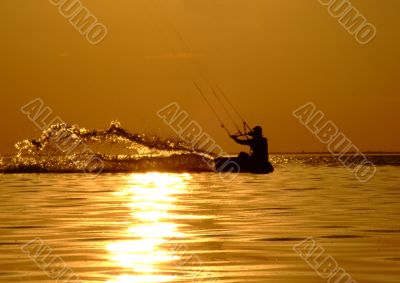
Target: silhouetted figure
[258,145]
[257,162]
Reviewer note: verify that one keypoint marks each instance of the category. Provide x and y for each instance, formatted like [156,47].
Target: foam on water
[69,148]
[66,148]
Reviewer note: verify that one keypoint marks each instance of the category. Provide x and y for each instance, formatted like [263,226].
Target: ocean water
[196,227]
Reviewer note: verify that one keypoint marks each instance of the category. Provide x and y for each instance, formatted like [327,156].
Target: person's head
[257,132]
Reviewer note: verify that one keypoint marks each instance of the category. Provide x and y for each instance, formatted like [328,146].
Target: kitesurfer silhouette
[258,145]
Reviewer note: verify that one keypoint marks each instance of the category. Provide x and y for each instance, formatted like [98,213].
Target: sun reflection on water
[150,197]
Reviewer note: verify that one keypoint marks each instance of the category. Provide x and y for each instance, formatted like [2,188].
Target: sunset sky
[269,56]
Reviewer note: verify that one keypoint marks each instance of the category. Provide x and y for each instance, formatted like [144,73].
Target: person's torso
[259,148]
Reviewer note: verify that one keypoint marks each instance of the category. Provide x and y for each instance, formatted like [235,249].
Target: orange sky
[270,57]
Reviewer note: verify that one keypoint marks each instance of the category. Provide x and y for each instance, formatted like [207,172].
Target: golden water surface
[159,227]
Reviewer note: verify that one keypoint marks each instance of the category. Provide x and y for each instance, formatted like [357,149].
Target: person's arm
[239,141]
